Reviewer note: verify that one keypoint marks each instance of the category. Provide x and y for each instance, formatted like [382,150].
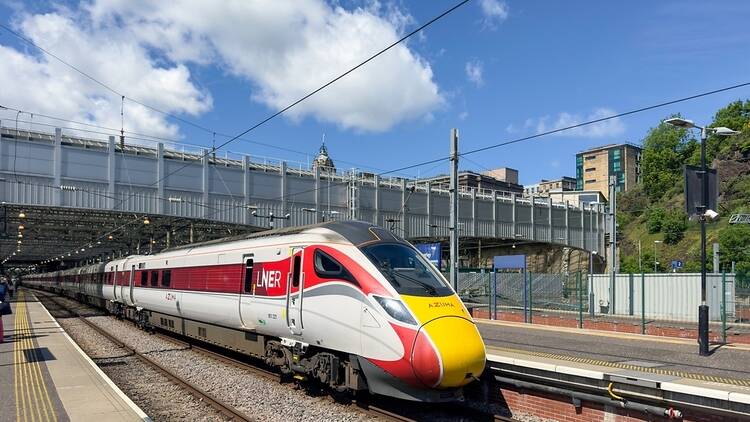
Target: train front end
[442,348]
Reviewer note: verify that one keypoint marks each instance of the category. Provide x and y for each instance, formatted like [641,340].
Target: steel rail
[223,408]
[382,411]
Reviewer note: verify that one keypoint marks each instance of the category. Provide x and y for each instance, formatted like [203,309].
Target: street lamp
[656,262]
[703,212]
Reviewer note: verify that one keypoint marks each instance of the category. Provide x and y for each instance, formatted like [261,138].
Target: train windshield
[407,270]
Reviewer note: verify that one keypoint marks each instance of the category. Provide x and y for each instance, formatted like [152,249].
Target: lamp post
[656,261]
[703,211]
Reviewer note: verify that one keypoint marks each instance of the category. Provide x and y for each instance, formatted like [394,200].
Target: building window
[591,181]
[591,157]
[590,169]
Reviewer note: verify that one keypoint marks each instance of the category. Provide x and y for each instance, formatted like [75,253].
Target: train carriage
[347,303]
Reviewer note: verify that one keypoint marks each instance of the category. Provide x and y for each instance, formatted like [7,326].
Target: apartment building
[595,166]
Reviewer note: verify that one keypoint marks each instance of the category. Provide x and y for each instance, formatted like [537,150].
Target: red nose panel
[425,361]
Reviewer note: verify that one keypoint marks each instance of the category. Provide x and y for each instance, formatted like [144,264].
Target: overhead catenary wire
[271,116]
[268,118]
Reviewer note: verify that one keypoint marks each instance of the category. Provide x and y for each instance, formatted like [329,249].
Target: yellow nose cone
[448,329]
[461,350]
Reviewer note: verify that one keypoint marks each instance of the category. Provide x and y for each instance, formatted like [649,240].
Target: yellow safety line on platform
[620,365]
[30,391]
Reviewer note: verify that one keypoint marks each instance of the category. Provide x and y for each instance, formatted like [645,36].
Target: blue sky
[530,66]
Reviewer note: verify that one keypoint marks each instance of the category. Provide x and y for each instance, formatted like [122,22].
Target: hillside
[655,210]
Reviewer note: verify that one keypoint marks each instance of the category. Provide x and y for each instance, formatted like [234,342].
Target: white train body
[344,294]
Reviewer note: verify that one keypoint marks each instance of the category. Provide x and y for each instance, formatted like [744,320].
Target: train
[345,303]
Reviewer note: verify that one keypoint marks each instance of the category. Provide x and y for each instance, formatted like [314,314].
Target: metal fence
[641,302]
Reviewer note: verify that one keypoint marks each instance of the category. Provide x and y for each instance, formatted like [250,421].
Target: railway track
[223,408]
[372,406]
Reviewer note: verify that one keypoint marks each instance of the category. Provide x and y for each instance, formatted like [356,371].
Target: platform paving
[45,376]
[621,351]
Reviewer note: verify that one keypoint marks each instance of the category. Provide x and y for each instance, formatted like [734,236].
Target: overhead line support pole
[454,210]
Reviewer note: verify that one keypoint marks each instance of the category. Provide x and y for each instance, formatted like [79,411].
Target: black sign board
[693,190]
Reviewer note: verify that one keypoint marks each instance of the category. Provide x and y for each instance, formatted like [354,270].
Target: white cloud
[40,84]
[494,11]
[604,129]
[281,49]
[463,115]
[252,40]
[474,70]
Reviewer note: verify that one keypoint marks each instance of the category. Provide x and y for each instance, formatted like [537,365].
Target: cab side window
[326,266]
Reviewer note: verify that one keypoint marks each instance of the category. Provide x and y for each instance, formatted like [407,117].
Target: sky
[495,69]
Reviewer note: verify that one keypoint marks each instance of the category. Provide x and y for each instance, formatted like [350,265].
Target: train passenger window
[326,266]
[296,271]
[144,278]
[154,278]
[166,278]
[248,275]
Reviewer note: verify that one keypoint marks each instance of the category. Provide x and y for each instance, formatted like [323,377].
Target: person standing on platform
[11,288]
[3,304]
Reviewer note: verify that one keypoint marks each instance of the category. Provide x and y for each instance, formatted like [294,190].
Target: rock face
[541,258]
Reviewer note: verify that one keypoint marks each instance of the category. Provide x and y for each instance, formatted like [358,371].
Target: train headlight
[396,309]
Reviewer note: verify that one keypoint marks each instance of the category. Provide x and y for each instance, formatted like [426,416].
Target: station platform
[44,375]
[648,366]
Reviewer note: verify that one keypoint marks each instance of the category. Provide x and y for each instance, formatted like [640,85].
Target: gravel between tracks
[150,390]
[258,397]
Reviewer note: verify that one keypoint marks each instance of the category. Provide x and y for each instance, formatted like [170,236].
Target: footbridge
[96,186]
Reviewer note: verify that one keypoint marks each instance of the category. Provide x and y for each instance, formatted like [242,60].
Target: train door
[115,282]
[247,291]
[294,287]
[131,282]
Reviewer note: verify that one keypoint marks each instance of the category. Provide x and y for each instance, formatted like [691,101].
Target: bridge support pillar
[282,222]
[567,222]
[430,230]
[57,167]
[111,173]
[514,214]
[533,218]
[549,220]
[247,188]
[474,223]
[494,214]
[404,210]
[376,213]
[318,214]
[582,243]
[204,198]
[160,199]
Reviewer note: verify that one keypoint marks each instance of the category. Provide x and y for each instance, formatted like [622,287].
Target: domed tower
[323,160]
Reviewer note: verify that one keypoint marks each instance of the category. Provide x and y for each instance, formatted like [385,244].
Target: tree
[674,227]
[734,243]
[665,151]
[655,218]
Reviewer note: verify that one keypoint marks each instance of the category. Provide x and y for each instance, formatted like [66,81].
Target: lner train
[346,303]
